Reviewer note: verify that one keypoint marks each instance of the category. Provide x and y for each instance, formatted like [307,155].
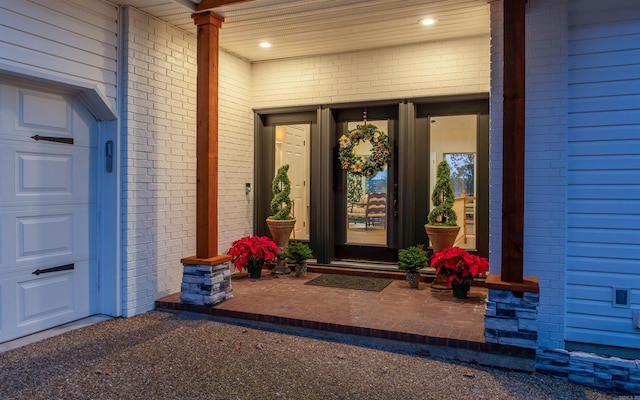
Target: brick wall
[428,69]
[235,148]
[545,161]
[546,152]
[158,157]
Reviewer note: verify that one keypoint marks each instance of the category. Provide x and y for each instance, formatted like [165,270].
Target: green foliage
[298,252]
[443,198]
[354,188]
[412,259]
[281,189]
[364,166]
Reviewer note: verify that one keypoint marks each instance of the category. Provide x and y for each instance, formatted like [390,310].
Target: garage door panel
[40,302]
[46,296]
[44,112]
[38,113]
[48,215]
[63,233]
[45,235]
[29,112]
[40,236]
[46,174]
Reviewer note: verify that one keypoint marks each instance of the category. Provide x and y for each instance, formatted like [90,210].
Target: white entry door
[47,211]
[295,152]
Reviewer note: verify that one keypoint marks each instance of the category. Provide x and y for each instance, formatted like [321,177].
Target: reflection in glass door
[366,199]
[454,139]
[292,147]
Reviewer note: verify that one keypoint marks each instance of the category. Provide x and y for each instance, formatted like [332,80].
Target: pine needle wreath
[364,166]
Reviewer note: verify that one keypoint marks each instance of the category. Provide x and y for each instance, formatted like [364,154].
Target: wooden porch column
[209,24]
[513,141]
[513,133]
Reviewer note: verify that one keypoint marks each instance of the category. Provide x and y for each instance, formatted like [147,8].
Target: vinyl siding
[603,176]
[76,39]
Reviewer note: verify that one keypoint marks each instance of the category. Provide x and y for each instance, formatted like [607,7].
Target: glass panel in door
[454,139]
[292,147]
[366,199]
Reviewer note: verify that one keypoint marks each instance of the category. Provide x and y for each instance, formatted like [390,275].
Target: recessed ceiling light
[265,45]
[428,21]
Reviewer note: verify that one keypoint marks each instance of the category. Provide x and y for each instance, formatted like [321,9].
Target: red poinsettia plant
[458,265]
[252,251]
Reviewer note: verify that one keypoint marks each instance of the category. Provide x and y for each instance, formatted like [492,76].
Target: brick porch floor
[423,316]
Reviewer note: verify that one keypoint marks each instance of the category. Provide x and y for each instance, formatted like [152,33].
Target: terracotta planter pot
[441,237]
[280,233]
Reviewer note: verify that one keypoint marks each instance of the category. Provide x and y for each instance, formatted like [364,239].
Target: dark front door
[368,217]
[365,200]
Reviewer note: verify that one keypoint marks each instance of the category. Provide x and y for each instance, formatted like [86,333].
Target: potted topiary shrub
[442,227]
[298,253]
[411,260]
[281,222]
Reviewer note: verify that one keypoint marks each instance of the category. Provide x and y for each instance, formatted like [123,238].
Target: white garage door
[47,211]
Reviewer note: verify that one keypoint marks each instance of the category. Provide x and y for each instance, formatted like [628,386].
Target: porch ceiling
[299,28]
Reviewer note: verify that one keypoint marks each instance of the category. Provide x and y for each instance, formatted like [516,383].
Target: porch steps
[326,322]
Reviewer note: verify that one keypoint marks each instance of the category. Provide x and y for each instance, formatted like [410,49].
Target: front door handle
[395,199]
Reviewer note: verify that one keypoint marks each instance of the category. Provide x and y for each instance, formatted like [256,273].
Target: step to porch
[424,320]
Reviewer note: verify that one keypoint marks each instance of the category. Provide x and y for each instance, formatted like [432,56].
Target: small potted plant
[281,222]
[250,253]
[411,260]
[298,253]
[459,268]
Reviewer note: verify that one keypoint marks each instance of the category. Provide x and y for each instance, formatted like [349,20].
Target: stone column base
[511,317]
[206,283]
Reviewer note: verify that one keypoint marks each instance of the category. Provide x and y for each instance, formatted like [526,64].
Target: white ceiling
[299,28]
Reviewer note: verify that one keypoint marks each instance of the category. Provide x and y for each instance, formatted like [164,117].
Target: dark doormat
[351,282]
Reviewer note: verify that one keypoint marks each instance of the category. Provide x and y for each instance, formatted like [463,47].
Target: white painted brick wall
[159,157]
[235,149]
[545,162]
[428,69]
[546,151]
